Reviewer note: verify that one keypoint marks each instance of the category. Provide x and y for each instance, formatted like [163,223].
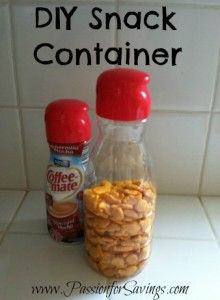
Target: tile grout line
[154,237]
[116,30]
[21,127]
[41,190]
[157,110]
[66,2]
[12,218]
[28,233]
[208,219]
[183,238]
[14,189]
[181,111]
[218,242]
[190,4]
[205,153]
[115,37]
[159,194]
[143,2]
[210,118]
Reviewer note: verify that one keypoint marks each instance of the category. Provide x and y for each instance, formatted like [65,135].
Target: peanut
[113,227]
[104,207]
[144,253]
[130,214]
[100,222]
[101,189]
[118,262]
[127,272]
[121,265]
[117,213]
[132,259]
[108,272]
[127,206]
[132,228]
[122,248]
[141,206]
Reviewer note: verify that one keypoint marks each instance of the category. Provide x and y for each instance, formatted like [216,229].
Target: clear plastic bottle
[120,206]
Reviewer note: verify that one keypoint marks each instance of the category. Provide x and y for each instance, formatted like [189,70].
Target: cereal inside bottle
[120,204]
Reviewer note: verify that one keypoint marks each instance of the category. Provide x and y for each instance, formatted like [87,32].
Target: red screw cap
[67,122]
[122,95]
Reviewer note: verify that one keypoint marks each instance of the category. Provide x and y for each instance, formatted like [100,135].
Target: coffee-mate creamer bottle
[68,131]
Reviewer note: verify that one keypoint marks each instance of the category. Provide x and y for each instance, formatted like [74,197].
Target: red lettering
[62,182]
[50,176]
[64,178]
[71,177]
[73,186]
[58,176]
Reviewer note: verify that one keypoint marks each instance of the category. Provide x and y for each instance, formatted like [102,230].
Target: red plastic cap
[67,122]
[122,95]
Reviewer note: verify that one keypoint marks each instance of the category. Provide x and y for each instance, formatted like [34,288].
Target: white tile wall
[184,97]
[189,146]
[176,142]
[36,146]
[12,173]
[211,175]
[184,86]
[212,206]
[9,203]
[7,83]
[48,82]
[175,216]
[31,218]
[184,251]
[28,260]
[187,260]
[192,2]
[217,102]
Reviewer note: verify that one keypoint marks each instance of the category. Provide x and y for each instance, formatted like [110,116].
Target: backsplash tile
[11,164]
[7,83]
[176,142]
[175,216]
[31,217]
[212,206]
[217,94]
[184,86]
[175,263]
[161,136]
[9,202]
[211,176]
[36,146]
[95,130]
[48,82]
[185,2]
[28,260]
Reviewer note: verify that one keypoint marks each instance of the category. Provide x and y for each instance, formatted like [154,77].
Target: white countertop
[185,252]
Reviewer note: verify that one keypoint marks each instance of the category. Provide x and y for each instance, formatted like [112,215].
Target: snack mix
[118,225]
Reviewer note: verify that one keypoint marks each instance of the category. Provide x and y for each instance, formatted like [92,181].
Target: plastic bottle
[120,207]
[68,130]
